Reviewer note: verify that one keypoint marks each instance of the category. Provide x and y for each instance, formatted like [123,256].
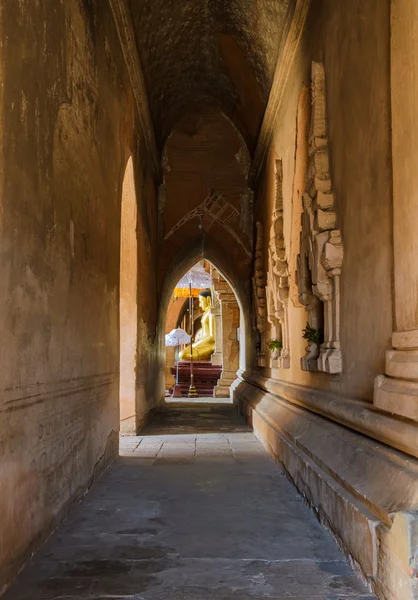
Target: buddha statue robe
[205,346]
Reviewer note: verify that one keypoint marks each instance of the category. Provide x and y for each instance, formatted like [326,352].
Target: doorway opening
[204,311]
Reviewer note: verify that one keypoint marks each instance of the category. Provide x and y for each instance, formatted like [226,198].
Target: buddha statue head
[205,300]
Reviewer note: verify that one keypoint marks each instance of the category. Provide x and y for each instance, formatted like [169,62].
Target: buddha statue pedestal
[206,377]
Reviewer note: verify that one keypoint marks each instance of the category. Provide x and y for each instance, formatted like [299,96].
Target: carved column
[397,392]
[230,343]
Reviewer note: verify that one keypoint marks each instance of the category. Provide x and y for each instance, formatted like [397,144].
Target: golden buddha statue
[205,346]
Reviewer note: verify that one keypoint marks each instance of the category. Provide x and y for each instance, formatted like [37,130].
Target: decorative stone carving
[259,291]
[278,279]
[321,249]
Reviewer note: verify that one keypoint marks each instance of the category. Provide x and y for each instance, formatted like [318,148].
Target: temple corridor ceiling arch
[199,51]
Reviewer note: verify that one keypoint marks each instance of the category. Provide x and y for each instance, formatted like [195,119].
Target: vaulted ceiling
[209,51]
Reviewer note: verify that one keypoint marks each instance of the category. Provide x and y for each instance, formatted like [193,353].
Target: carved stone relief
[321,249]
[259,291]
[278,279]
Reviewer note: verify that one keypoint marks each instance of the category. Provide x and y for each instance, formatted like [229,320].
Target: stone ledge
[355,414]
[360,489]
[405,339]
[396,396]
[402,364]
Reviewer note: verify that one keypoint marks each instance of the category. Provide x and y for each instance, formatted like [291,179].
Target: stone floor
[194,509]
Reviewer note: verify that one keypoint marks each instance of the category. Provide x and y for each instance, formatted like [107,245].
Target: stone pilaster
[397,390]
[230,343]
[170,361]
[216,311]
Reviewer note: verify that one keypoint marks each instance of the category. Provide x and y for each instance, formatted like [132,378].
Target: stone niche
[277,291]
[321,249]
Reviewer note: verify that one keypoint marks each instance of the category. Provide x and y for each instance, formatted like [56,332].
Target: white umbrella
[197,278]
[175,338]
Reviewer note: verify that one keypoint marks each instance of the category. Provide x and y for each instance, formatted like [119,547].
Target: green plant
[275,345]
[315,336]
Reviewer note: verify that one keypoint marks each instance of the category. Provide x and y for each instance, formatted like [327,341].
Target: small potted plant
[275,347]
[315,338]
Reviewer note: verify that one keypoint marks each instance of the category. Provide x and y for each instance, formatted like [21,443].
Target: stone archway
[181,264]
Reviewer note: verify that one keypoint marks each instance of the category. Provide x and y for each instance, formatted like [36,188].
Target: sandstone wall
[335,445]
[341,35]
[67,131]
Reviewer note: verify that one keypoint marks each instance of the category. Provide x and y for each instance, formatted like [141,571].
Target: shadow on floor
[178,418]
[196,510]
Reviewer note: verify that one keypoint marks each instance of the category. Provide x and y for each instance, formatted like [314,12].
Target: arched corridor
[272,146]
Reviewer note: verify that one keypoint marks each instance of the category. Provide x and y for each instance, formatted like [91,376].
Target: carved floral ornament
[321,249]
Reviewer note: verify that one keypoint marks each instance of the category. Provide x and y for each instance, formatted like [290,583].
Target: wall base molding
[66,435]
[363,417]
[365,493]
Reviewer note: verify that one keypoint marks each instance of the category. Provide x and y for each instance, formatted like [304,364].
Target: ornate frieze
[321,249]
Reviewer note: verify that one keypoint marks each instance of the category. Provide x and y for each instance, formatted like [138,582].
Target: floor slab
[194,509]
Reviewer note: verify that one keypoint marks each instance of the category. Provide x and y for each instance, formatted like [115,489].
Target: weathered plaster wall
[149,388]
[128,309]
[340,35]
[67,124]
